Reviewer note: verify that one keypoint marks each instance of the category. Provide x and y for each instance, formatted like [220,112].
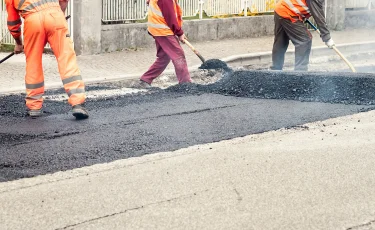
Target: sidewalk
[132,63]
[315,177]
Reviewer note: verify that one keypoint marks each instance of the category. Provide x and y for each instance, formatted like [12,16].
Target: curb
[316,52]
[234,60]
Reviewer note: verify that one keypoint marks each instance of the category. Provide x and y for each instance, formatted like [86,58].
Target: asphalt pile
[346,88]
[343,88]
[215,64]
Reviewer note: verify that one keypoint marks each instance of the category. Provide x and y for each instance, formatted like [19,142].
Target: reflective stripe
[71,79]
[20,4]
[304,6]
[155,11]
[75,91]
[35,97]
[34,86]
[159,26]
[292,7]
[13,23]
[36,4]
[15,31]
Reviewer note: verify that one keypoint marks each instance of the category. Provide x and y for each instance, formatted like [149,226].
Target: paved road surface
[320,176]
[130,126]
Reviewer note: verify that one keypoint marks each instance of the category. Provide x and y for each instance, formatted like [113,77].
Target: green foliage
[6,48]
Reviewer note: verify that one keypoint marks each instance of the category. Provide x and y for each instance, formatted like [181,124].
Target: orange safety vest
[26,7]
[293,9]
[157,26]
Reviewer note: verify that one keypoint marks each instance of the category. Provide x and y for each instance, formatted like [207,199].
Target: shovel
[194,50]
[209,64]
[334,47]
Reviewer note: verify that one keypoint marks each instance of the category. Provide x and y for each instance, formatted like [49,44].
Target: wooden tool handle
[334,47]
[194,50]
[344,58]
[190,45]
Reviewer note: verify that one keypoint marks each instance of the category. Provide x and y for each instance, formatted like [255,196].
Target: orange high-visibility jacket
[17,8]
[293,9]
[157,26]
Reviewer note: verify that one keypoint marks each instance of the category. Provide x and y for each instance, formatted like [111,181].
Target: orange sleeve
[14,20]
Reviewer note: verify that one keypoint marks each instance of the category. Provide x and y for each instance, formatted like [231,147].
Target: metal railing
[190,8]
[123,10]
[223,7]
[359,3]
[7,37]
[4,32]
[133,10]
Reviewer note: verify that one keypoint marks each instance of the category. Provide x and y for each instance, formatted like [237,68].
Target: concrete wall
[118,37]
[122,36]
[91,37]
[87,29]
[358,19]
[335,14]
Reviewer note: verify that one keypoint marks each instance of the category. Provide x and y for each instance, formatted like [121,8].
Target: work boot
[34,113]
[80,112]
[141,85]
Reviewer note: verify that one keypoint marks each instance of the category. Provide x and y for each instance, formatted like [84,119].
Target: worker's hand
[18,49]
[330,43]
[182,38]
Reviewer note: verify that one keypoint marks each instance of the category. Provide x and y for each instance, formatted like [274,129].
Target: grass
[6,48]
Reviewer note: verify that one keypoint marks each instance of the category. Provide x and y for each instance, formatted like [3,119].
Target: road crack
[363,226]
[133,209]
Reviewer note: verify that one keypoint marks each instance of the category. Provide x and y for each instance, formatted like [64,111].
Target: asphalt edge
[10,186]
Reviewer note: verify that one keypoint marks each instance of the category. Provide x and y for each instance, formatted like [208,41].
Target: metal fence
[7,37]
[133,10]
[190,8]
[122,11]
[223,7]
[359,3]
[118,11]
[4,33]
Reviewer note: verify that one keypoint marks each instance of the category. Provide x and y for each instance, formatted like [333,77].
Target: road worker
[44,21]
[164,24]
[289,26]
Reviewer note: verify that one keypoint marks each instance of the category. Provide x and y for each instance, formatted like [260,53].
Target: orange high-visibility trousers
[50,26]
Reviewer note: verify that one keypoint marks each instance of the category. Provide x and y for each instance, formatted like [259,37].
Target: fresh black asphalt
[120,127]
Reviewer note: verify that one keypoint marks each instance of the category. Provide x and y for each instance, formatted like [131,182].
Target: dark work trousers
[168,48]
[285,31]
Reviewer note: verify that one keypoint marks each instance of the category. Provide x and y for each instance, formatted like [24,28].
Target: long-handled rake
[334,47]
[7,57]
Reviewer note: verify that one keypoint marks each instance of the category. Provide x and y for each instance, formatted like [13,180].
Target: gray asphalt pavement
[319,176]
[165,120]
